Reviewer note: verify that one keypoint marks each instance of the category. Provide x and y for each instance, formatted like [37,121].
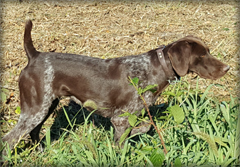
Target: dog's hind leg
[28,122]
[35,132]
[35,107]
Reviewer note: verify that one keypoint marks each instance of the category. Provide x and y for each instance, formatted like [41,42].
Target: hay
[108,29]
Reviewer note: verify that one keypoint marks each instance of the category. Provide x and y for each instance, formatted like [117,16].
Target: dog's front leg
[143,127]
[120,125]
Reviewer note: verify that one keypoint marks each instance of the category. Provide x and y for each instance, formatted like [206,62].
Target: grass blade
[124,151]
[48,138]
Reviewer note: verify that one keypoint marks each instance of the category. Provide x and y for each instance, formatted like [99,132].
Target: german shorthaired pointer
[103,82]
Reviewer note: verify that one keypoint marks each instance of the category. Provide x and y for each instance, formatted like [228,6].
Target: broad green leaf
[135,80]
[157,157]
[132,119]
[177,113]
[124,135]
[140,91]
[149,87]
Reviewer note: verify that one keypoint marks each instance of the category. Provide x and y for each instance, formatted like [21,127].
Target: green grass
[209,135]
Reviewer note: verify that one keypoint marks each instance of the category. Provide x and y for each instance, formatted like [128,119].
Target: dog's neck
[172,77]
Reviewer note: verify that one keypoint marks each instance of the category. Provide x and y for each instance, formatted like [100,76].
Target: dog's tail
[28,44]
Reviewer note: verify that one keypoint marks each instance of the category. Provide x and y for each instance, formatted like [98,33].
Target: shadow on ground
[77,115]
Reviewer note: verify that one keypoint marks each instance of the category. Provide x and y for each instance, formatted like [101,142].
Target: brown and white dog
[104,82]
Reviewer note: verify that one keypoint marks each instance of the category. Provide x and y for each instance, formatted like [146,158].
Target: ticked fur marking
[47,98]
[48,81]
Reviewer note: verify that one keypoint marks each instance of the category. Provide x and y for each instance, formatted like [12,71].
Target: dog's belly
[128,102]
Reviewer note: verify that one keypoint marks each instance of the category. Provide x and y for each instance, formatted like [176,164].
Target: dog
[103,82]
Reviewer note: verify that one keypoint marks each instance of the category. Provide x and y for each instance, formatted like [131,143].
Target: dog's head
[190,54]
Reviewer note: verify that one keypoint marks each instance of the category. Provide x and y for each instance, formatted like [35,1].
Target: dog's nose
[226,68]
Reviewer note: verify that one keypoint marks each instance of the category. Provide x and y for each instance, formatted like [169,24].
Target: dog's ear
[179,54]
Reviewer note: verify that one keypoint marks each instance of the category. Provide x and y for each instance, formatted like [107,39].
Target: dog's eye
[203,56]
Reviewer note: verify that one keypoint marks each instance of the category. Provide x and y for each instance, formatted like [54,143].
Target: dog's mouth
[195,74]
[213,76]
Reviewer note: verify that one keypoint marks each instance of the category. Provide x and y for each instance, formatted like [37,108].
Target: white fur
[48,87]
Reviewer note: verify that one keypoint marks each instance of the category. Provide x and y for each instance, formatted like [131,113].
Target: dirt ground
[109,29]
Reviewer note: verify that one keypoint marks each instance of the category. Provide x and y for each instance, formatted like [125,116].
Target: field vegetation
[207,135]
